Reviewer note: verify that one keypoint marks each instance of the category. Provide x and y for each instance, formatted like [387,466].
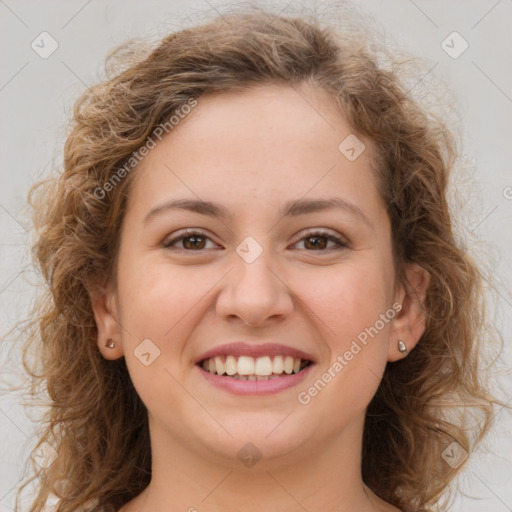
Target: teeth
[231,365]
[278,364]
[263,366]
[255,377]
[220,366]
[288,364]
[245,365]
[253,368]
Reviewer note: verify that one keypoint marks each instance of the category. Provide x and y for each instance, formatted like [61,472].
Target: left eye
[318,241]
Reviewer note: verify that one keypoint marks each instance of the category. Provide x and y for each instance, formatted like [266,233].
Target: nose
[255,293]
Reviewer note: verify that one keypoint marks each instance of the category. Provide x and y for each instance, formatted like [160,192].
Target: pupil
[194,242]
[316,242]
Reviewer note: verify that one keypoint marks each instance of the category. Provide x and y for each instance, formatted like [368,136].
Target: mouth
[250,369]
[247,368]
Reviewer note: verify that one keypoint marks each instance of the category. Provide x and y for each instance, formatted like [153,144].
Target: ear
[409,324]
[106,316]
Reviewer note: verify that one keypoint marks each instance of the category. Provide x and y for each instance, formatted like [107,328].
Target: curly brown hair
[96,422]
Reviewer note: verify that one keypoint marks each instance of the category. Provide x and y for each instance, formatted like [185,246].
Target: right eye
[190,241]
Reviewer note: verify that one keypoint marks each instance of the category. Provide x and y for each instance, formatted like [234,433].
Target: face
[289,270]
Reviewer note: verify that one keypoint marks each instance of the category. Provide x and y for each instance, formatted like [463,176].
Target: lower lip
[255,387]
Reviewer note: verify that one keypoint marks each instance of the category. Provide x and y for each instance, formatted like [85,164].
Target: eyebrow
[291,208]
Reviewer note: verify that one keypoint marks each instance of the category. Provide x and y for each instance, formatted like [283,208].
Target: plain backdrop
[37,94]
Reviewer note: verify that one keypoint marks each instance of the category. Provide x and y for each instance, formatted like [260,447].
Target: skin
[252,152]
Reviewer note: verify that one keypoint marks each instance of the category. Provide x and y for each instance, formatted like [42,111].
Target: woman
[255,298]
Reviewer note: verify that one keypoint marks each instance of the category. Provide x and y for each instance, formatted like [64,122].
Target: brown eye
[193,242]
[188,241]
[319,241]
[316,242]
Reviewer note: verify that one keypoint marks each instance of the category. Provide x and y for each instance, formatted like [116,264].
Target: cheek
[349,300]
[161,304]
[161,299]
[350,304]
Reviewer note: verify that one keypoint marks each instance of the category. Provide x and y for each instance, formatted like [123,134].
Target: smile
[254,368]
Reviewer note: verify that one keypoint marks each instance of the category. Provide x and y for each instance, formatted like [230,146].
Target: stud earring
[401,347]
[110,343]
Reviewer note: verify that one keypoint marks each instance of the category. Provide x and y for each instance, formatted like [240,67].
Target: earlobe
[108,327]
[409,324]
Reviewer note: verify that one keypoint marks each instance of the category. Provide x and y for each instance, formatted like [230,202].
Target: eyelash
[341,244]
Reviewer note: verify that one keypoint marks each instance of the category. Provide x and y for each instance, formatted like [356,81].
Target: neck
[306,478]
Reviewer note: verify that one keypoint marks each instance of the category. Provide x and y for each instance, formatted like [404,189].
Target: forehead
[262,143]
[271,118]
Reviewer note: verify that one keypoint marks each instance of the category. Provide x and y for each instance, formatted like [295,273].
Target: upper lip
[252,349]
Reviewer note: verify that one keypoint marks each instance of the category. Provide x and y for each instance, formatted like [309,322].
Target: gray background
[36,96]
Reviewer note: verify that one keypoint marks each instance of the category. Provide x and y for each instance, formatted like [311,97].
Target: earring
[110,343]
[401,347]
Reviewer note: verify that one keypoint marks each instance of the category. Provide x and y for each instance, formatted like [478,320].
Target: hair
[96,422]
